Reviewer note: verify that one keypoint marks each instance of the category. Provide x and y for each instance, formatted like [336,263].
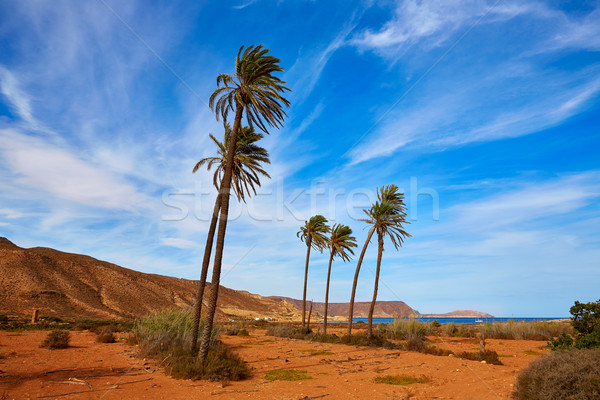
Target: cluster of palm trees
[387,217]
[255,91]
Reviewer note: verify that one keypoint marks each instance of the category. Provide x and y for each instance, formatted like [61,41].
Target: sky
[485,113]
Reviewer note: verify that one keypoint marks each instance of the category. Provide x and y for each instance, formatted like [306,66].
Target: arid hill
[460,314]
[74,285]
[383,309]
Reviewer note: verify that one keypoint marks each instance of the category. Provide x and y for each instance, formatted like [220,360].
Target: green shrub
[56,340]
[564,341]
[3,318]
[586,321]
[566,375]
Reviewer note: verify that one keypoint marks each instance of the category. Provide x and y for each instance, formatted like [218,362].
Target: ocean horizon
[449,320]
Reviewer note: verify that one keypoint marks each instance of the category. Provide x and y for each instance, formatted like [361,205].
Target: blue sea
[460,320]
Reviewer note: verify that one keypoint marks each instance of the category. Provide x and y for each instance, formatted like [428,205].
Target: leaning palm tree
[246,170]
[313,234]
[388,218]
[340,244]
[387,194]
[253,89]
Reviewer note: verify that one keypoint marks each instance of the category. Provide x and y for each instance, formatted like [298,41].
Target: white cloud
[10,214]
[179,243]
[43,167]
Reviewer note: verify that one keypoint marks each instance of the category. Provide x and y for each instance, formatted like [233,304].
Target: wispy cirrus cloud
[497,98]
[432,23]
[307,70]
[20,102]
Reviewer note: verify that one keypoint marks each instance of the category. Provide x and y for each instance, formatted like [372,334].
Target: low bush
[3,318]
[287,331]
[96,325]
[436,351]
[167,336]
[106,335]
[566,375]
[235,330]
[222,364]
[363,340]
[56,340]
[490,357]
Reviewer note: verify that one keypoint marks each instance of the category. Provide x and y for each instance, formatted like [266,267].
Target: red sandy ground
[90,370]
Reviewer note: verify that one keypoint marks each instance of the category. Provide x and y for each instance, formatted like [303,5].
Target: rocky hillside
[383,309]
[76,285]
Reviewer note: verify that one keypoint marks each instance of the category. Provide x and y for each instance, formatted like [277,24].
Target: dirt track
[91,370]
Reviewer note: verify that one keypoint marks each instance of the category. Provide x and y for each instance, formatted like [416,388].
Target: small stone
[483,362]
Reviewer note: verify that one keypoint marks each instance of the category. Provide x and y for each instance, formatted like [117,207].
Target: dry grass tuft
[403,380]
[56,340]
[490,357]
[287,375]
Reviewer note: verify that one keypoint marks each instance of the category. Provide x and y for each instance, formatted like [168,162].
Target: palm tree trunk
[305,279]
[372,308]
[203,273]
[327,295]
[216,276]
[355,283]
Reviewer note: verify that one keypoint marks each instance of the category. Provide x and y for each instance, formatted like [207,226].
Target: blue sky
[485,113]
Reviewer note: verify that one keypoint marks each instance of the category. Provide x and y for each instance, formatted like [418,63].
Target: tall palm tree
[313,234]
[388,218]
[253,89]
[388,194]
[340,244]
[246,170]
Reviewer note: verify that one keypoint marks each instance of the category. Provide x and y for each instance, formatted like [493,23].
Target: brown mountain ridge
[383,309]
[74,285]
